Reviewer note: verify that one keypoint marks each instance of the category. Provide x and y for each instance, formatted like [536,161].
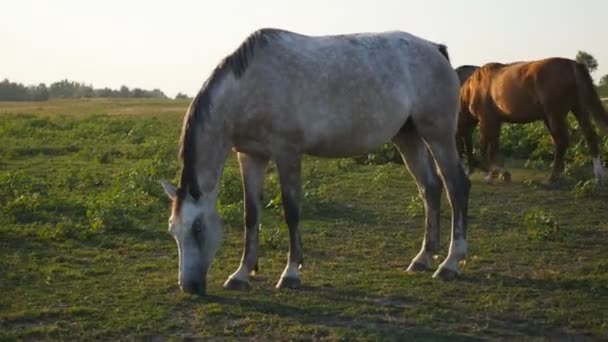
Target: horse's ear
[169,188]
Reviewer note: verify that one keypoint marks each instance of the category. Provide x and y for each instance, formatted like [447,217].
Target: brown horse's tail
[587,97]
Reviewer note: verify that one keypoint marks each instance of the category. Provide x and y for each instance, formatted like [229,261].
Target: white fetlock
[291,271]
[241,274]
[290,278]
[449,267]
[422,261]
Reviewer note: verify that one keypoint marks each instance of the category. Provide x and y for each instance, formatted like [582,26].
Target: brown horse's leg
[252,171]
[592,140]
[460,144]
[420,164]
[465,143]
[558,127]
[290,169]
[468,146]
[489,130]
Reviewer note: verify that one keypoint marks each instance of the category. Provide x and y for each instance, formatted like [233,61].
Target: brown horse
[466,123]
[524,92]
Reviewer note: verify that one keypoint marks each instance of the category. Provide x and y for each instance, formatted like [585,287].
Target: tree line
[65,89]
[12,91]
[591,63]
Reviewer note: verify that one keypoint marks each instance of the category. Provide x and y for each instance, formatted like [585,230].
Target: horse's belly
[349,140]
[520,112]
[517,105]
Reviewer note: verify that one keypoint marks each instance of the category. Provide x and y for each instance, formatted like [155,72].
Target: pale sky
[174,45]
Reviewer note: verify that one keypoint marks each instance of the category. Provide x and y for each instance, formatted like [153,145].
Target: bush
[415,207]
[386,153]
[585,188]
[541,224]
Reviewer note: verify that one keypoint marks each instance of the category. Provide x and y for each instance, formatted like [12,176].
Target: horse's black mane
[444,51]
[237,63]
[239,60]
[467,66]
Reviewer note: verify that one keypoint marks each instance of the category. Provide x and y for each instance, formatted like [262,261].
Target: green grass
[85,253]
[602,91]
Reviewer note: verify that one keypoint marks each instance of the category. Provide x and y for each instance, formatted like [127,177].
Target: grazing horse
[524,92]
[281,95]
[466,123]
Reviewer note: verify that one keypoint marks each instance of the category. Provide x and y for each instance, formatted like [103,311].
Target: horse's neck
[213,141]
[212,151]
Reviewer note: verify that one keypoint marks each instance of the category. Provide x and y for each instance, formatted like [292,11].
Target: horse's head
[197,228]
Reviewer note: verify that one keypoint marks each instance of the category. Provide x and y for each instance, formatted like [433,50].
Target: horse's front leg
[289,166]
[252,171]
[468,147]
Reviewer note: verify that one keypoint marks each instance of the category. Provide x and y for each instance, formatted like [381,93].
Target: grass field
[84,251]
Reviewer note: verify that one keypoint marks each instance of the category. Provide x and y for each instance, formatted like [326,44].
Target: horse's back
[342,95]
[521,91]
[554,78]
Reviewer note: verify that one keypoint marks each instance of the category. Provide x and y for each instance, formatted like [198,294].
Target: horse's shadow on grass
[541,284]
[511,322]
[388,324]
[331,210]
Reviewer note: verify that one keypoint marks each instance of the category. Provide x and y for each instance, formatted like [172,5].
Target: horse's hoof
[236,284]
[289,283]
[417,267]
[445,274]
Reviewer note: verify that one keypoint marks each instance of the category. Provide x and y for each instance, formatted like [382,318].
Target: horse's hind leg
[558,127]
[252,171]
[438,137]
[591,137]
[289,165]
[465,141]
[420,164]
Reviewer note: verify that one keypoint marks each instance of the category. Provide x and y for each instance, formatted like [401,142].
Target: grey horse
[281,95]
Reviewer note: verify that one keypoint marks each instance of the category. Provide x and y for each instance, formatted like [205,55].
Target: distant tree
[124,92]
[11,91]
[157,94]
[604,81]
[62,89]
[587,59]
[38,93]
[181,96]
[137,93]
[106,92]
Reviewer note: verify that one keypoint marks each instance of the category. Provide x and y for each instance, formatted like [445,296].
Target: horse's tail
[587,97]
